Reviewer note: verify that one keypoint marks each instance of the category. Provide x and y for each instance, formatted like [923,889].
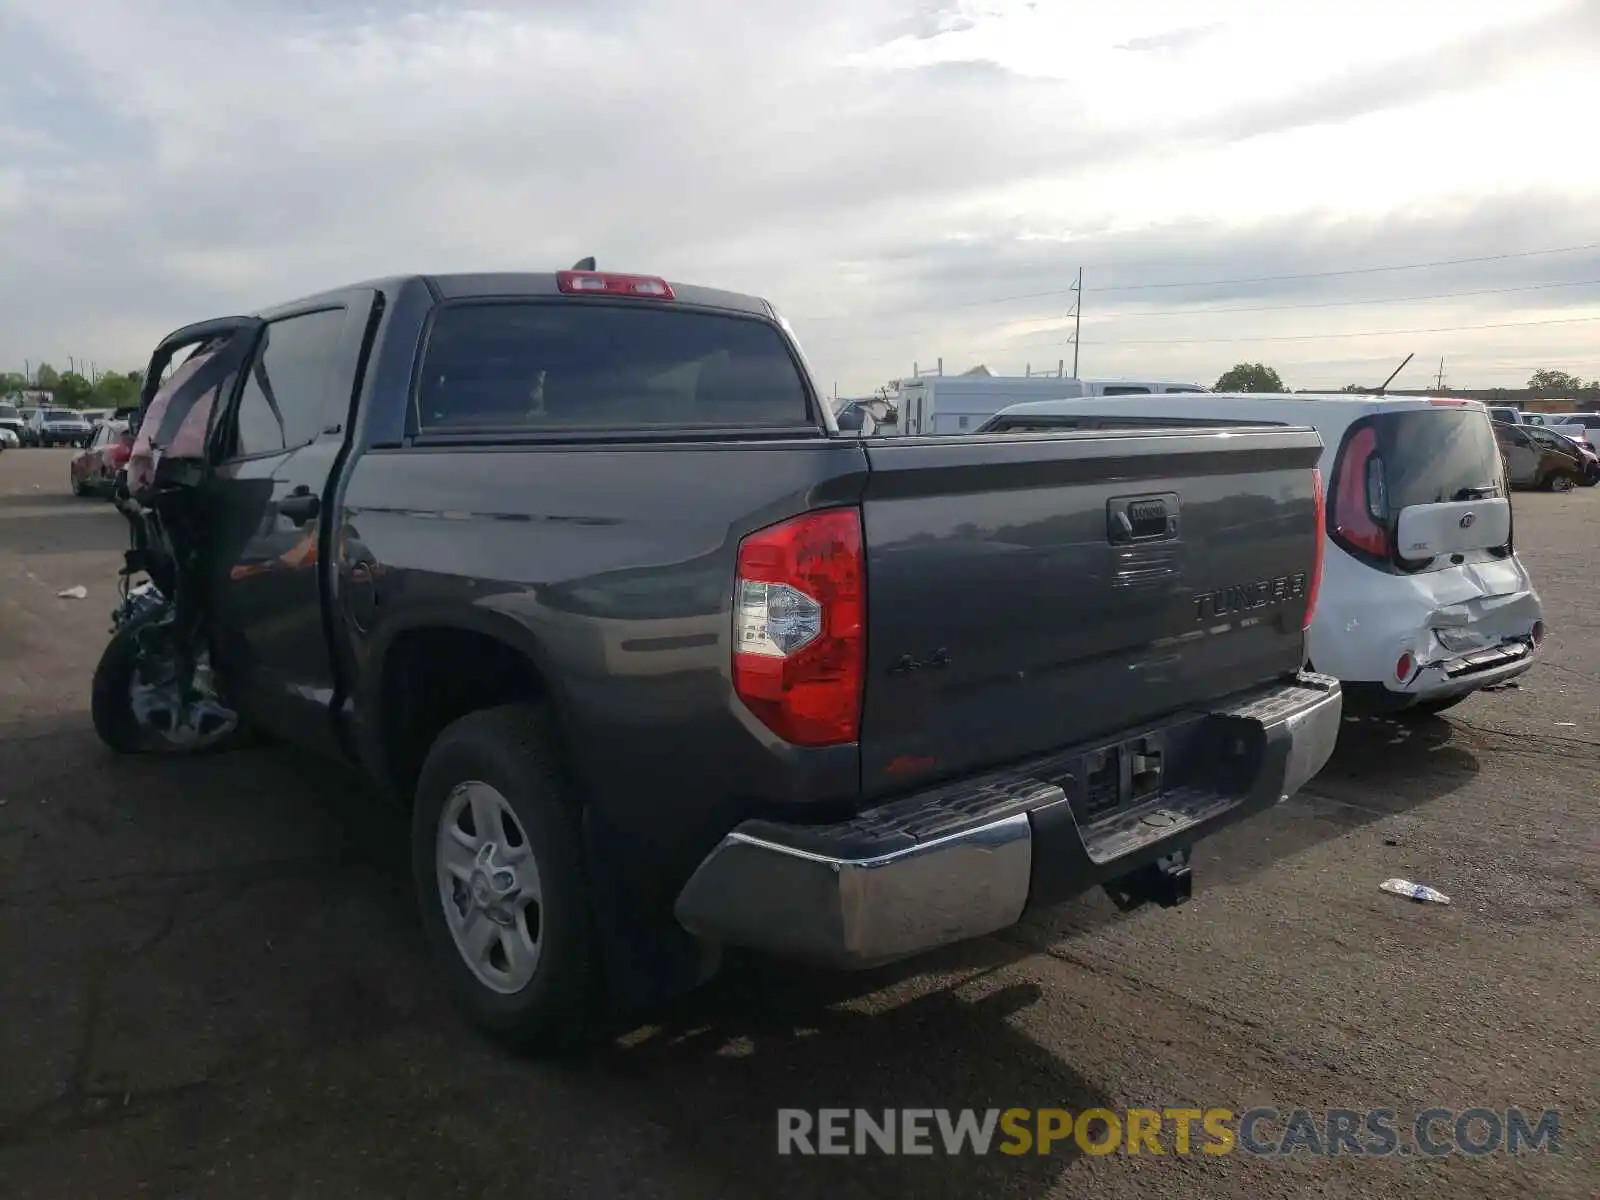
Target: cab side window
[286,385]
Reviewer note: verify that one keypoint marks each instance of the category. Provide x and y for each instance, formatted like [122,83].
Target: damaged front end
[172,694]
[155,688]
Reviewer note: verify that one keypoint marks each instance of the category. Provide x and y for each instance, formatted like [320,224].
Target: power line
[1257,308]
[1201,312]
[1300,337]
[1201,283]
[1444,262]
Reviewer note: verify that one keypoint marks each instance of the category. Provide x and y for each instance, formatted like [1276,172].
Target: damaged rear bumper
[970,858]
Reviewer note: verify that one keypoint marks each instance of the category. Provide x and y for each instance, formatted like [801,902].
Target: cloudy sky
[906,179]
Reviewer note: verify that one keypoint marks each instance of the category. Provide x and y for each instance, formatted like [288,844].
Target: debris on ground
[74,593]
[1414,891]
[1566,724]
[1510,685]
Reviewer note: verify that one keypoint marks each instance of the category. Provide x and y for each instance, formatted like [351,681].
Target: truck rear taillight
[1320,508]
[608,283]
[1359,503]
[799,627]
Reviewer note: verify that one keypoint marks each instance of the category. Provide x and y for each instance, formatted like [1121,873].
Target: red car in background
[94,469]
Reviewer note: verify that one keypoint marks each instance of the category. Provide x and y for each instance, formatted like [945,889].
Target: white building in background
[941,404]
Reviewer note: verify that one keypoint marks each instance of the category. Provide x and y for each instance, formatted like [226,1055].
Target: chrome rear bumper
[967,859]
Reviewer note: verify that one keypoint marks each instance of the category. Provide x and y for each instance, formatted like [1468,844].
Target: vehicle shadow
[706,1074]
[254,848]
[1380,768]
[716,1067]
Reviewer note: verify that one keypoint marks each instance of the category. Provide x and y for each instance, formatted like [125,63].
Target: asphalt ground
[212,982]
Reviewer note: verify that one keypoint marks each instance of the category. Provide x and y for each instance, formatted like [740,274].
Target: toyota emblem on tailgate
[1466,521]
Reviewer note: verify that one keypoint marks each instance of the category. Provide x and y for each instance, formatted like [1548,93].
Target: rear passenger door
[276,447]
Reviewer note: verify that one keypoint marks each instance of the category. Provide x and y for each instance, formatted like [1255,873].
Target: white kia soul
[1423,599]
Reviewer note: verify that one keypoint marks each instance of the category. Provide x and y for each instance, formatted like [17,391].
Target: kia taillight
[799,627]
[1320,507]
[1359,503]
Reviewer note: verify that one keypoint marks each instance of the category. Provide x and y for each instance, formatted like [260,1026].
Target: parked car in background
[1590,422]
[1551,438]
[1573,429]
[26,432]
[11,423]
[58,427]
[93,417]
[9,439]
[1541,464]
[94,470]
[1506,415]
[1423,599]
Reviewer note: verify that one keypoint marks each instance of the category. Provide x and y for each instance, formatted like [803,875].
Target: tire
[514,752]
[1429,708]
[111,697]
[111,704]
[1559,481]
[77,486]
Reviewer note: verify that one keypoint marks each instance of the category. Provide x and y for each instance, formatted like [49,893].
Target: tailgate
[1032,591]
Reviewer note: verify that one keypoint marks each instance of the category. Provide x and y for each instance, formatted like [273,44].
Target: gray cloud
[219,157]
[1476,61]
[1171,41]
[955,299]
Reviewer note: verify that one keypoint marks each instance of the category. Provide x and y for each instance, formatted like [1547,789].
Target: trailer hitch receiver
[1167,881]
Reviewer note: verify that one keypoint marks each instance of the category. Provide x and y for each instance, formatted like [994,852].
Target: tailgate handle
[1142,518]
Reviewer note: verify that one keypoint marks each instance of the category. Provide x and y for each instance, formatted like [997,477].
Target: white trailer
[936,404]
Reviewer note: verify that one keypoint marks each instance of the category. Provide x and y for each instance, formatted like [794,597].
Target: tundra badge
[1246,597]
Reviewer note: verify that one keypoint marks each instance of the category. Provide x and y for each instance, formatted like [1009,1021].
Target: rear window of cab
[564,366]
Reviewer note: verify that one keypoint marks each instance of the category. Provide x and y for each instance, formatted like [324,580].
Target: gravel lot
[211,983]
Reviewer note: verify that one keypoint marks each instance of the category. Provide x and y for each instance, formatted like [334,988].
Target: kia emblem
[1467,520]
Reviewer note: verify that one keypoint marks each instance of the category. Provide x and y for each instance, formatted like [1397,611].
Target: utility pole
[1077,319]
[1438,382]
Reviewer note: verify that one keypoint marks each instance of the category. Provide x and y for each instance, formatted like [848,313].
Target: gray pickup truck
[579,571]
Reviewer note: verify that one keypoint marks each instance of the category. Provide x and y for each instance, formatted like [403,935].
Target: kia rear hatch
[1414,488]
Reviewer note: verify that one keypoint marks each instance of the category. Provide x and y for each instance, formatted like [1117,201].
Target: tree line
[113,389]
[1542,384]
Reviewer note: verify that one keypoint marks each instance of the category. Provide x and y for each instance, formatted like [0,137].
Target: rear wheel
[1560,481]
[498,867]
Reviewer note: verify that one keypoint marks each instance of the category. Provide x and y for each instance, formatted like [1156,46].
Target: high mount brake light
[1316,566]
[799,627]
[607,283]
[1358,497]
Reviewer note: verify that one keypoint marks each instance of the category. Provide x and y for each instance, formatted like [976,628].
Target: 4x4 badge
[1467,520]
